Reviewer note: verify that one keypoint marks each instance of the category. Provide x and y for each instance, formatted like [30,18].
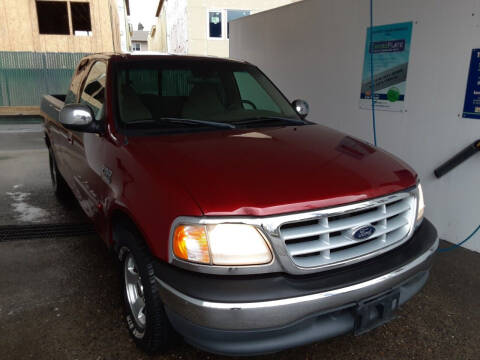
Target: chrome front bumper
[279,313]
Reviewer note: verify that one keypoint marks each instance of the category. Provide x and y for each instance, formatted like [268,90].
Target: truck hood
[272,170]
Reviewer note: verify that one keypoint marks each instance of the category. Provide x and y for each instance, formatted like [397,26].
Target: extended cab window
[158,95]
[93,93]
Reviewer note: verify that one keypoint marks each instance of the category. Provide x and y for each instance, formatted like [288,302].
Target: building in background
[88,26]
[139,39]
[41,42]
[125,30]
[201,27]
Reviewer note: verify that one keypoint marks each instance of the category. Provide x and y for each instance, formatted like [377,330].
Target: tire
[60,187]
[147,321]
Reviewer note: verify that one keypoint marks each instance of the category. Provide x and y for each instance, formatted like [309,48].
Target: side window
[76,82]
[252,91]
[93,93]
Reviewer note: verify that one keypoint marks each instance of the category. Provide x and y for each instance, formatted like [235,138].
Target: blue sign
[471,107]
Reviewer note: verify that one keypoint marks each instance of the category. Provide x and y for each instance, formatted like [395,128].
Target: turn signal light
[221,244]
[190,243]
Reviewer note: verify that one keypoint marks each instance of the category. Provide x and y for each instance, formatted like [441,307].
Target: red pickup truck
[240,225]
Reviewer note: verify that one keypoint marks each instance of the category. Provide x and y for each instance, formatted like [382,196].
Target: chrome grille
[328,238]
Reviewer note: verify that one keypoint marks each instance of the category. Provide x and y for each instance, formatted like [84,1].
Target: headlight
[421,204]
[222,244]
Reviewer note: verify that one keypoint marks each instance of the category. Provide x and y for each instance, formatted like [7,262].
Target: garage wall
[314,50]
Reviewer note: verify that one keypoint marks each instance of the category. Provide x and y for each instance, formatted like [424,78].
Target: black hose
[463,155]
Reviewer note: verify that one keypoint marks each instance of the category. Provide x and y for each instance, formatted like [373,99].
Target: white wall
[177,27]
[315,49]
[123,23]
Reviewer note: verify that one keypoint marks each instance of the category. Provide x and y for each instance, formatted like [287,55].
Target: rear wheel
[59,184]
[146,319]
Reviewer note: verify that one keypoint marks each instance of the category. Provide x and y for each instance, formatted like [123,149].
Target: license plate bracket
[375,312]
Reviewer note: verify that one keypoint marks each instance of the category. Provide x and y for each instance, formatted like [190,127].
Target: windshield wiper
[262,119]
[183,121]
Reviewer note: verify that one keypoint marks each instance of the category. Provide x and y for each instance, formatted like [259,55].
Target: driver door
[87,150]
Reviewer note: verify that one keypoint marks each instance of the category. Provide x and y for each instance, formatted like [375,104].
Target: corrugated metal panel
[26,76]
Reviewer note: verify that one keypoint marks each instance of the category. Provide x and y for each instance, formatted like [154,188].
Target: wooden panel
[20,29]
[19,110]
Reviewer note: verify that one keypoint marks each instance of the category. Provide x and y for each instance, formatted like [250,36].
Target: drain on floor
[44,231]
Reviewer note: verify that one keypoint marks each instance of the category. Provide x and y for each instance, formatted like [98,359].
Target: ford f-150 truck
[240,225]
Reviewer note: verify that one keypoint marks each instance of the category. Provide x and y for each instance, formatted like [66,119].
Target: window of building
[136,46]
[215,24]
[52,17]
[81,23]
[233,15]
[93,93]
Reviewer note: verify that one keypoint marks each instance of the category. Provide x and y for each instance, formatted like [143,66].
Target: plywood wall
[19,29]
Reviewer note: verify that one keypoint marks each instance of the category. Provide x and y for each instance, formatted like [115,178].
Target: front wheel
[146,319]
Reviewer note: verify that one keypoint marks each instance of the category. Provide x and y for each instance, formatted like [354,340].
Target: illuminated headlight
[421,204]
[222,244]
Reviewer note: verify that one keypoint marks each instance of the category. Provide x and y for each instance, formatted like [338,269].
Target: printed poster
[471,106]
[390,51]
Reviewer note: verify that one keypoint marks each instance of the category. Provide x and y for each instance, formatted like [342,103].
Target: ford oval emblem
[363,232]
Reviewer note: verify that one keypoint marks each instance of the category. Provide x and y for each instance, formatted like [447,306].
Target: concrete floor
[60,298]
[25,189]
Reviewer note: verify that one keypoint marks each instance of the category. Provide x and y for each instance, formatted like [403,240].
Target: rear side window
[147,82]
[93,93]
[76,82]
[143,82]
[251,90]
[176,82]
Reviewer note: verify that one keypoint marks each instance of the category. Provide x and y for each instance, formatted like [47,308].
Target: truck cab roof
[150,55]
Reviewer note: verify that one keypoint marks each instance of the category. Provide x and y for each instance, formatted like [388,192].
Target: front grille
[328,239]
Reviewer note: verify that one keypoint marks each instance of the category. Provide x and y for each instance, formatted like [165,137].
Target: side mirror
[301,107]
[79,117]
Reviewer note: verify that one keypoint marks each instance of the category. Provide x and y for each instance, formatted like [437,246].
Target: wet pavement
[26,194]
[61,298]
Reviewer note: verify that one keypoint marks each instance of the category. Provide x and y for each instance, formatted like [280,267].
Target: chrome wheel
[134,291]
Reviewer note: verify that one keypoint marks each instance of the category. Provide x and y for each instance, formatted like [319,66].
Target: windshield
[197,94]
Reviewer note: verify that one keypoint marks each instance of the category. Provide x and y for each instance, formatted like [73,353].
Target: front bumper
[260,314]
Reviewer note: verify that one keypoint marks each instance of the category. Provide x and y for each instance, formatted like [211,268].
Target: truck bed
[52,104]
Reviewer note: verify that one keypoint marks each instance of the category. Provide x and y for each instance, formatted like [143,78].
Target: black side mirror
[301,107]
[79,117]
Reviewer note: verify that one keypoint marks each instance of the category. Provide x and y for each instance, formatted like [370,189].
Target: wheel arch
[121,218]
